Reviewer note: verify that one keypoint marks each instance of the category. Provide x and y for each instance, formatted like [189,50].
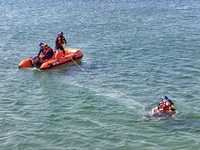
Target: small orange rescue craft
[71,55]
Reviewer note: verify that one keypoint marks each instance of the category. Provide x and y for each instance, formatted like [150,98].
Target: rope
[123,94]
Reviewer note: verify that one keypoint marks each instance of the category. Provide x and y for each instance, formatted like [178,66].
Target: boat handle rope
[123,94]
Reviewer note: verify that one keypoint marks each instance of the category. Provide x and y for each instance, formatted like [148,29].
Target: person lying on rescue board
[165,106]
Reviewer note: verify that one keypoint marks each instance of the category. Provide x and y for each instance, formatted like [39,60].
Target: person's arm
[65,41]
[41,49]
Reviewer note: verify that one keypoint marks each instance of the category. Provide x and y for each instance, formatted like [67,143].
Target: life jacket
[46,50]
[167,109]
[162,104]
[60,40]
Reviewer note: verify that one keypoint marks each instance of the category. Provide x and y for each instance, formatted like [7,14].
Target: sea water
[135,52]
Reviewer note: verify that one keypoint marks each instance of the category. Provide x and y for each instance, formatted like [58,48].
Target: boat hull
[72,55]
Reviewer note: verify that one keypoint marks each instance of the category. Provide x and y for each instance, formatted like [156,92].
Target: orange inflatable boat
[71,55]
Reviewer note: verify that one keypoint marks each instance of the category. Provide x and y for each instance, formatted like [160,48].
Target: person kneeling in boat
[45,50]
[60,43]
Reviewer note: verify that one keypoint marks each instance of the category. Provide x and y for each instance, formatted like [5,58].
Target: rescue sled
[156,114]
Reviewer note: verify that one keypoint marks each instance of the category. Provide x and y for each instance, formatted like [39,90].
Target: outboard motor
[36,62]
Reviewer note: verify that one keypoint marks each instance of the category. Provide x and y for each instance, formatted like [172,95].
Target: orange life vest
[60,40]
[46,50]
[166,109]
